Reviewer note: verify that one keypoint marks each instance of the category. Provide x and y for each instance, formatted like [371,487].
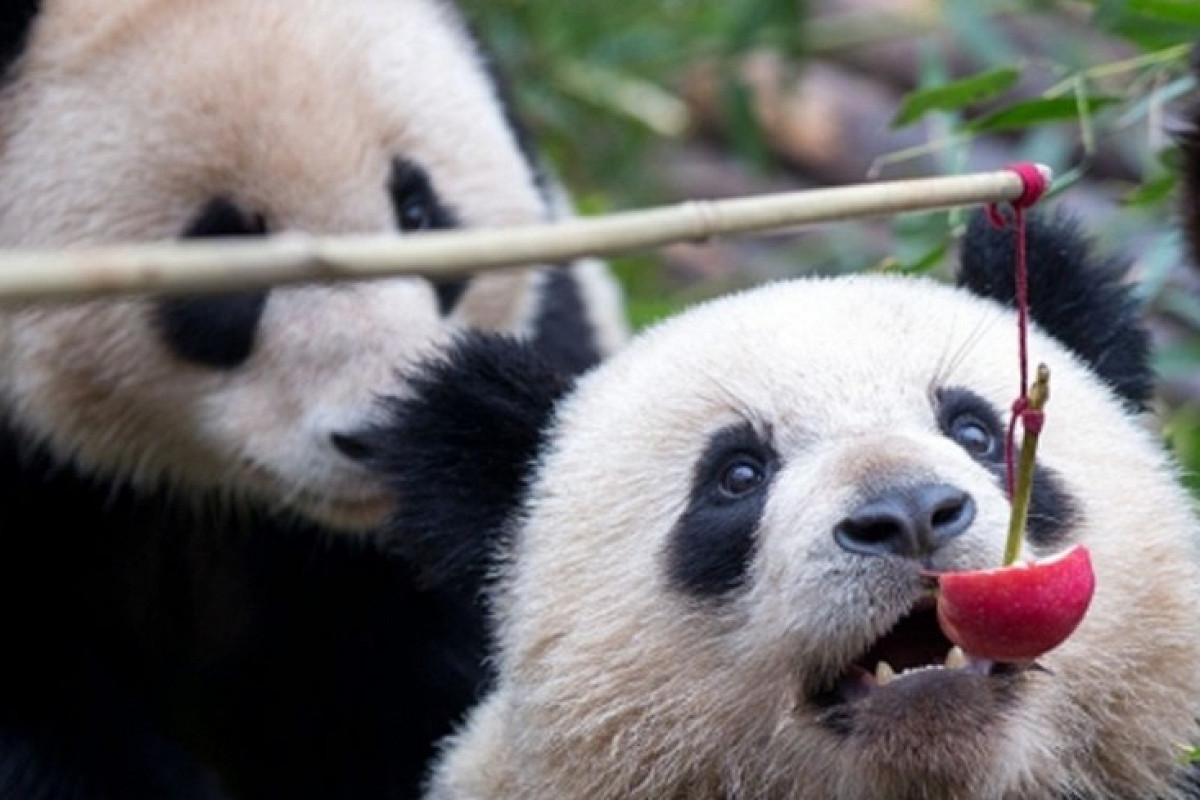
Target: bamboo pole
[216,265]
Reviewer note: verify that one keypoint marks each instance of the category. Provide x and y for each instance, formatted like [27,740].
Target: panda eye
[971,422]
[415,201]
[414,215]
[741,477]
[221,217]
[711,548]
[973,435]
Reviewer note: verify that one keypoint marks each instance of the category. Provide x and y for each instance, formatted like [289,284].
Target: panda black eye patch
[972,422]
[214,330]
[710,549]
[418,208]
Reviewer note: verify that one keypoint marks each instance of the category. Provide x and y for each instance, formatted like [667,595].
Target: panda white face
[728,529]
[157,119]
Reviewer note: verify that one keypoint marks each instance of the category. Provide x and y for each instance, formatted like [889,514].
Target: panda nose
[913,522]
[355,447]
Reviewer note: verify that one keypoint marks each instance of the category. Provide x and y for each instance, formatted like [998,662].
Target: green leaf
[1152,191]
[1186,12]
[1182,433]
[927,261]
[1149,33]
[746,135]
[1150,24]
[1171,157]
[955,95]
[1037,112]
[773,23]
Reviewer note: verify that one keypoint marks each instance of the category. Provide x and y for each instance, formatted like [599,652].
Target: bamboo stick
[216,265]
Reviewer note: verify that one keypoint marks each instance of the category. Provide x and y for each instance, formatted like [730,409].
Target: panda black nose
[355,447]
[914,521]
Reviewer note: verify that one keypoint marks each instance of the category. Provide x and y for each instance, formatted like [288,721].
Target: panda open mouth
[915,646]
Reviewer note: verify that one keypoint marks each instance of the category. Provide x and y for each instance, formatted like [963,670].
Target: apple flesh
[1019,612]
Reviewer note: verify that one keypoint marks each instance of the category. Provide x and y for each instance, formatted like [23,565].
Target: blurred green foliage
[593,78]
[598,83]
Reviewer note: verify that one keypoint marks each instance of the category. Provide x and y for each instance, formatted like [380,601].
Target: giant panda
[701,550]
[195,597]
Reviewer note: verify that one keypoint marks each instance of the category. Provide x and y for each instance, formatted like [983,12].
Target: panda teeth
[885,674]
[956,658]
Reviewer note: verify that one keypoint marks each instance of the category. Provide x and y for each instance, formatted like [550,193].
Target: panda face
[730,527]
[160,119]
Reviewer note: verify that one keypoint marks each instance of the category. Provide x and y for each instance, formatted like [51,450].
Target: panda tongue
[915,644]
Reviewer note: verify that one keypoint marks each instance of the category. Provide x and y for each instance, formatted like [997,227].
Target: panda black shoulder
[458,449]
[1076,295]
[15,23]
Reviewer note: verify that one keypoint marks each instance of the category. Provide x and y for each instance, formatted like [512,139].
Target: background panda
[189,606]
[724,528]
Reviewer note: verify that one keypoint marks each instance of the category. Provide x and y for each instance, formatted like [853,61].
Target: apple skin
[1019,612]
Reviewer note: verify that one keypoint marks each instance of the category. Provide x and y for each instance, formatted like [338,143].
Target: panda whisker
[953,356]
[717,393]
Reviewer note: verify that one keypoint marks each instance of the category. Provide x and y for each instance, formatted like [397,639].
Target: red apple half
[1019,612]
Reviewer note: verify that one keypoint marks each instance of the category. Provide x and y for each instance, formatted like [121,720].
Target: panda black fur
[192,601]
[676,614]
[1188,139]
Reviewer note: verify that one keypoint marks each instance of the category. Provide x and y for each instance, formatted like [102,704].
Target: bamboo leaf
[745,133]
[1152,191]
[1186,12]
[927,261]
[1038,112]
[1171,157]
[955,95]
[1148,31]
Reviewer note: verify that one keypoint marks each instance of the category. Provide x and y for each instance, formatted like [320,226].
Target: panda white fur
[688,586]
[188,603]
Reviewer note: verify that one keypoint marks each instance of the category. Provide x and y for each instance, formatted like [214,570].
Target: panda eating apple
[689,601]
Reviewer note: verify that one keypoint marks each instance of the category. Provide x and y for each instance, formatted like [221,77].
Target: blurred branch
[635,98]
[833,32]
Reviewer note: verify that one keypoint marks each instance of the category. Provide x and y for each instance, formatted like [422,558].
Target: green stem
[1166,55]
[1039,393]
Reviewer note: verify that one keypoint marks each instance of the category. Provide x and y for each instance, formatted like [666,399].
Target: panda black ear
[1188,137]
[1081,299]
[458,450]
[15,21]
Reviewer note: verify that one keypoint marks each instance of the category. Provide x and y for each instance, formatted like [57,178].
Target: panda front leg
[78,744]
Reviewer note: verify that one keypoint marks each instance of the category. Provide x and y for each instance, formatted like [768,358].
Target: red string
[1034,186]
